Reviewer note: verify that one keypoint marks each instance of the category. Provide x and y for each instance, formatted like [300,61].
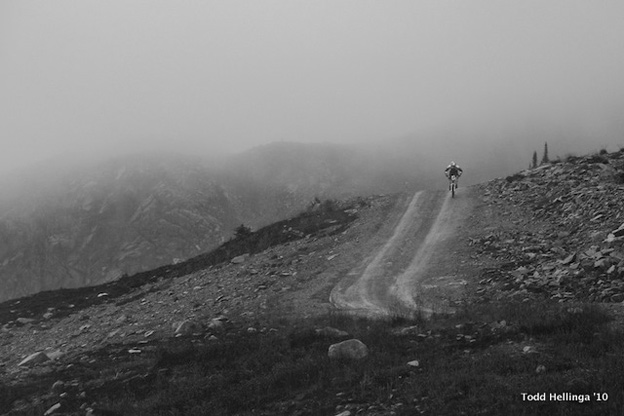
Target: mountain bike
[453,185]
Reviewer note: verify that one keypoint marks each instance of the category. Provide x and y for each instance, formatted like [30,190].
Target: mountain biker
[453,169]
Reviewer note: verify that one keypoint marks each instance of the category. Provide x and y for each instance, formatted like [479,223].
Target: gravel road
[402,276]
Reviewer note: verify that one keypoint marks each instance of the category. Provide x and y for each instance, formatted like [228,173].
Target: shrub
[242,231]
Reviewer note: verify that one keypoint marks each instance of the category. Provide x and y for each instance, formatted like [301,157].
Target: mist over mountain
[84,221]
[70,224]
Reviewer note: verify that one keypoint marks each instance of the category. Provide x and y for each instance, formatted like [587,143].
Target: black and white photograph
[311,207]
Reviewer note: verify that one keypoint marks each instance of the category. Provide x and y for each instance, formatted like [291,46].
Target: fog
[458,77]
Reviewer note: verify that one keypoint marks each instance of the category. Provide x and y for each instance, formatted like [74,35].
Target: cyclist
[453,169]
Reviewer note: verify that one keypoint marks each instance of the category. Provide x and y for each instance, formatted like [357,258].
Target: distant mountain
[86,226]
[70,225]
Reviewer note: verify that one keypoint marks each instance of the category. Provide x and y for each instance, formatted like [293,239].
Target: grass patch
[478,361]
[468,364]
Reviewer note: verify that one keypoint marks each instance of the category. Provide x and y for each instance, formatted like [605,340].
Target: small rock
[187,327]
[52,409]
[331,332]
[58,387]
[353,349]
[216,324]
[528,350]
[345,413]
[240,259]
[25,321]
[122,319]
[540,369]
[54,355]
[414,363]
[410,330]
[568,259]
[33,359]
[617,298]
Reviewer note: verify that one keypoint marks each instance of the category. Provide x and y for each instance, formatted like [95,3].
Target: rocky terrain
[563,237]
[130,315]
[550,234]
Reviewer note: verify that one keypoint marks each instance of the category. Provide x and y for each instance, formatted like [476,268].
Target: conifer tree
[545,157]
[242,231]
[534,165]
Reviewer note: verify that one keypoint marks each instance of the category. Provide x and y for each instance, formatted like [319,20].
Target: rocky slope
[563,234]
[551,233]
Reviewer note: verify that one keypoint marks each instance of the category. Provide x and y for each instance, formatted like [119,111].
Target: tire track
[390,282]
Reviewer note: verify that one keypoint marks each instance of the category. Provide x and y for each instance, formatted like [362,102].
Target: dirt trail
[403,276]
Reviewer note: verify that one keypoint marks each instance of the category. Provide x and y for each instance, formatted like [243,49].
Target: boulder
[352,349]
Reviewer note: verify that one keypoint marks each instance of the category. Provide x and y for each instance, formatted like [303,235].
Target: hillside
[93,224]
[67,225]
[539,258]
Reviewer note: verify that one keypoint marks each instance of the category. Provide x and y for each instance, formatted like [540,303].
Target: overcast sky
[81,75]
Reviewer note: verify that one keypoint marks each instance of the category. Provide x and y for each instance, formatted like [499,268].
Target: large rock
[352,349]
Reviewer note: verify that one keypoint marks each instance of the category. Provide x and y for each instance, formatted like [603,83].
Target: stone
[410,330]
[25,321]
[352,349]
[568,259]
[186,327]
[414,363]
[122,319]
[54,355]
[34,359]
[216,324]
[52,409]
[331,332]
[617,298]
[240,259]
[58,387]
